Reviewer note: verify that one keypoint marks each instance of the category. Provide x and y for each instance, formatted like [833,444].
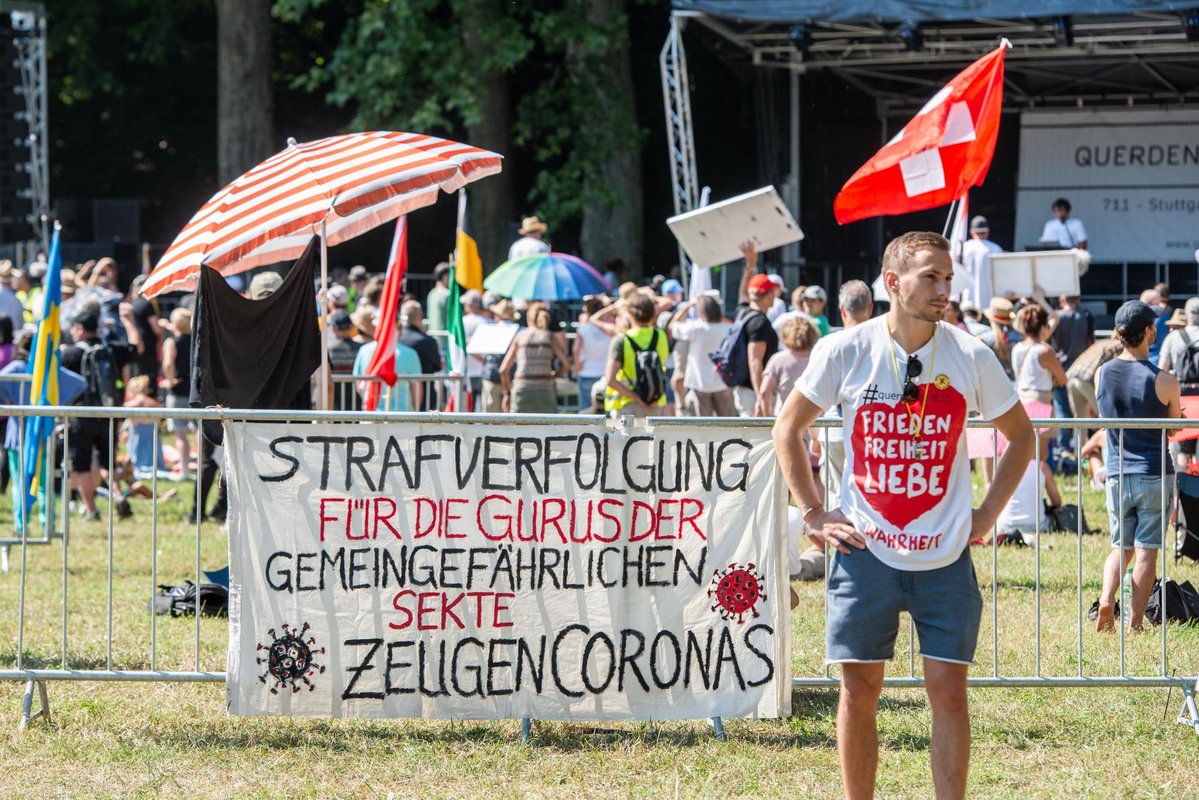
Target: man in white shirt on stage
[530,242]
[976,262]
[1068,233]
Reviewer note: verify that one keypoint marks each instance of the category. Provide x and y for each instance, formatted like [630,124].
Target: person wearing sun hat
[530,242]
[1001,336]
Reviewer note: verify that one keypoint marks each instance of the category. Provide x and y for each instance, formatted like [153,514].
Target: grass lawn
[154,740]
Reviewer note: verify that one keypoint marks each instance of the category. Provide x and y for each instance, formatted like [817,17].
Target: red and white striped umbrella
[348,184]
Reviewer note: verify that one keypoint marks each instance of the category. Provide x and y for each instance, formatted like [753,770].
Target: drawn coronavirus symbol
[289,659]
[736,590]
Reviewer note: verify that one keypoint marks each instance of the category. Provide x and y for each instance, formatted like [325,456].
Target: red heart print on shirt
[899,475]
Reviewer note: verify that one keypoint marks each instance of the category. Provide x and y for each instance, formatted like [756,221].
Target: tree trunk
[245,100]
[613,227]
[492,201]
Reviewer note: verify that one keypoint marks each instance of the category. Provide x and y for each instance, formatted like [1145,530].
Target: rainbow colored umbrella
[546,276]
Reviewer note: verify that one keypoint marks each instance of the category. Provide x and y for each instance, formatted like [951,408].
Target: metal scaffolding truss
[676,98]
[1127,59]
[29,40]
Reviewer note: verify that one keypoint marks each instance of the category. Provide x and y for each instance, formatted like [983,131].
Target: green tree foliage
[403,64]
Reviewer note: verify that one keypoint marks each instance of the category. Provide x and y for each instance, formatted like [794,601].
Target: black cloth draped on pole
[256,353]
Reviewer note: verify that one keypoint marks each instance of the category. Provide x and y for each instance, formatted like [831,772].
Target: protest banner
[501,572]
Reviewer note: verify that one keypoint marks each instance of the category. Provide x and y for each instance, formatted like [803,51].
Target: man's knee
[861,685]
[946,686]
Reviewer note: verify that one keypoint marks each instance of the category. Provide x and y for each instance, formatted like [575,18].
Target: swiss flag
[943,151]
[383,360]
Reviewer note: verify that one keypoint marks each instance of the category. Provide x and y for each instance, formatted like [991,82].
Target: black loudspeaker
[116,220]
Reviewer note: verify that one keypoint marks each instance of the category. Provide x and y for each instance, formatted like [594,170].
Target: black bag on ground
[1068,518]
[180,601]
[1180,599]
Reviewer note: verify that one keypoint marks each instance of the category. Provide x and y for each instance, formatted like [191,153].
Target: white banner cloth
[496,572]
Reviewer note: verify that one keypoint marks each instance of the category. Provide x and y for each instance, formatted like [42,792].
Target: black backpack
[1187,368]
[179,601]
[649,378]
[1181,601]
[99,370]
[732,357]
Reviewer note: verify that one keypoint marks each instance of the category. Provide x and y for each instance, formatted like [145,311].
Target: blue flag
[43,365]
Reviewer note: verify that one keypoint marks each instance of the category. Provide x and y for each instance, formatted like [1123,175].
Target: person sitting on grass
[1140,479]
[144,451]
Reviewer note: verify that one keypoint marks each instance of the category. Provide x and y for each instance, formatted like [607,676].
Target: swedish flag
[43,365]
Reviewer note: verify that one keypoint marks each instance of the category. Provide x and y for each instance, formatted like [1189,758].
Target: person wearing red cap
[755,296]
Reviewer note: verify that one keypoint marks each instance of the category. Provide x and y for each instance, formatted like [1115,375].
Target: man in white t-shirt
[530,242]
[1067,232]
[976,263]
[906,384]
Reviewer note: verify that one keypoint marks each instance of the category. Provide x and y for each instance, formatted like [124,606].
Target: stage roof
[1097,52]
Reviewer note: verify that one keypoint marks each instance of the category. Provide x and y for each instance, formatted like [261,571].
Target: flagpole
[953,209]
[323,403]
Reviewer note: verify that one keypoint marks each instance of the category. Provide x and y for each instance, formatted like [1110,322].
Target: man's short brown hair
[641,309]
[902,248]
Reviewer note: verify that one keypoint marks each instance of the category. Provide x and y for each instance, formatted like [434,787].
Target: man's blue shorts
[865,597]
[1139,515]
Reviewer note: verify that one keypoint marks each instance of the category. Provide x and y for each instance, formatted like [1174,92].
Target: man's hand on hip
[833,527]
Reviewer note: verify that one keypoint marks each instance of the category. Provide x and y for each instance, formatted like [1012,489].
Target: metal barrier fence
[419,392]
[113,634]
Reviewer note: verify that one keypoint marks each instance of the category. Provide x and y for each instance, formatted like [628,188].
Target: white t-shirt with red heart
[909,496]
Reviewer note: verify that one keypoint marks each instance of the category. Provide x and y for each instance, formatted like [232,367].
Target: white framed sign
[498,572]
[1057,272]
[712,235]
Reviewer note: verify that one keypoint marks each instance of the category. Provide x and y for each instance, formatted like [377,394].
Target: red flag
[383,360]
[943,151]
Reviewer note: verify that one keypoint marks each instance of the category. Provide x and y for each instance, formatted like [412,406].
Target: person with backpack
[100,365]
[753,339]
[636,372]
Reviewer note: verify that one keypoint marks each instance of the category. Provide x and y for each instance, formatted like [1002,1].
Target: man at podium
[1068,233]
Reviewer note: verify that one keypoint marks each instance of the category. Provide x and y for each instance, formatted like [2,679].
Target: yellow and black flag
[468,267]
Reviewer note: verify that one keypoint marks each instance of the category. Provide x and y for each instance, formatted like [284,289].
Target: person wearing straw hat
[1001,336]
[530,242]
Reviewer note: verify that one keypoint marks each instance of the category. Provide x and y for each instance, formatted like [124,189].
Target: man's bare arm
[794,419]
